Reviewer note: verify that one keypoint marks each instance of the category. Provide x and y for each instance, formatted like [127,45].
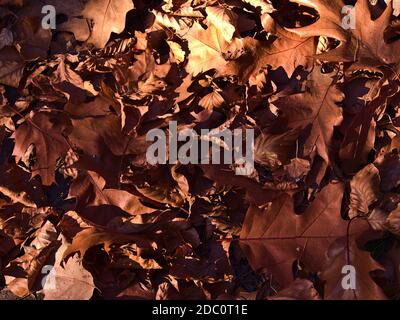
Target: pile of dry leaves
[82,213]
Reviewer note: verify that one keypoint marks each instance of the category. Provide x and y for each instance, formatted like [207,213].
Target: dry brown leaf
[45,129]
[364,191]
[68,281]
[108,16]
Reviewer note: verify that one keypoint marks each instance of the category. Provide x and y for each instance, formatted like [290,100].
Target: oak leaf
[47,131]
[287,51]
[317,110]
[365,44]
[108,16]
[207,48]
[340,254]
[274,237]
